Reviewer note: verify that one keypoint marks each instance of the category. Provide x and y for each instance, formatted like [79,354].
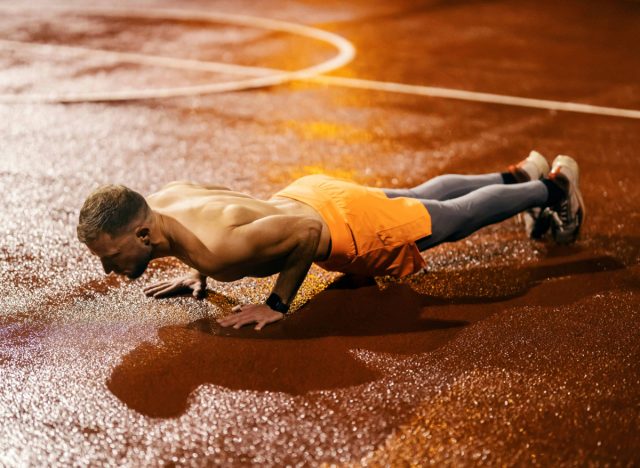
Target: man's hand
[251,313]
[194,284]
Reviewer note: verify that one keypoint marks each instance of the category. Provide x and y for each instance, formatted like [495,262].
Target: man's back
[208,218]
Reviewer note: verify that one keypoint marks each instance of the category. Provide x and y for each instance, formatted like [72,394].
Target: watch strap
[275,302]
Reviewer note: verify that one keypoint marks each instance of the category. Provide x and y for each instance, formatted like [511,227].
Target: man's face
[125,254]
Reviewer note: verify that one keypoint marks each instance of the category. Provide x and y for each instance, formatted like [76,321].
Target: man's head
[115,223]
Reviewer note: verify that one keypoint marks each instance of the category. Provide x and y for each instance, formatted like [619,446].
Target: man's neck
[171,239]
[164,240]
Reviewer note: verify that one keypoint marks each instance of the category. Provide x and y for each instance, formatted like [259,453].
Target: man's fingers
[171,289]
[151,286]
[261,324]
[155,287]
[229,320]
[244,321]
[159,287]
[163,293]
[238,320]
[232,319]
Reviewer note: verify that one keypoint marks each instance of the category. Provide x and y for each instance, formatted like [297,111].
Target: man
[342,226]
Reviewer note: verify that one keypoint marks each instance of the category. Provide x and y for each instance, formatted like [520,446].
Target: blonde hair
[109,209]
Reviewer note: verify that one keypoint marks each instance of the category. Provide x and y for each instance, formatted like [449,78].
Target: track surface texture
[503,351]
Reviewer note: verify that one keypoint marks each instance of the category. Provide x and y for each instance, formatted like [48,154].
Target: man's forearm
[298,263]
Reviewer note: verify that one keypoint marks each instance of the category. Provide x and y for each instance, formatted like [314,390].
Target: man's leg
[457,218]
[448,186]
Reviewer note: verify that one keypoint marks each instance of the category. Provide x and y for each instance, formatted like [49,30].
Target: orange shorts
[371,234]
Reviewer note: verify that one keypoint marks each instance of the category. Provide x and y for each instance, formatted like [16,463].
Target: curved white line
[429,91]
[141,59]
[346,52]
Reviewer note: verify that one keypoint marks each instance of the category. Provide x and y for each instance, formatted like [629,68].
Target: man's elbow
[310,231]
[315,228]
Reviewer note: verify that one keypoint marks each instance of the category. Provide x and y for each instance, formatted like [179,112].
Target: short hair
[109,209]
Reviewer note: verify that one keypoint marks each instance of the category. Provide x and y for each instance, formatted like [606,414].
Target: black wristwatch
[276,303]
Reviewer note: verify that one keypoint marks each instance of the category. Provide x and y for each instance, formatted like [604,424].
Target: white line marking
[346,52]
[140,59]
[429,91]
[463,95]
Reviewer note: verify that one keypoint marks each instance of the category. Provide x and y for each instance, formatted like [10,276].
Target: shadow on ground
[310,350]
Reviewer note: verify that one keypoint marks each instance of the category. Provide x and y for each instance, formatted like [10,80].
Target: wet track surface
[504,351]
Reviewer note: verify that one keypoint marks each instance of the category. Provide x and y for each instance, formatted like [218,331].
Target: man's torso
[208,216]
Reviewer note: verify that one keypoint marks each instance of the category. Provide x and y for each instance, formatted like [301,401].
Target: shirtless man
[342,226]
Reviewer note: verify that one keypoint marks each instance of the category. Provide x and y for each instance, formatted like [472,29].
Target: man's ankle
[508,178]
[555,192]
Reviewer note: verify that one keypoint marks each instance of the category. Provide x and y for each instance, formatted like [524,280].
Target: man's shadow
[312,349]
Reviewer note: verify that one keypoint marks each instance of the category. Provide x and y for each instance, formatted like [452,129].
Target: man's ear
[143,234]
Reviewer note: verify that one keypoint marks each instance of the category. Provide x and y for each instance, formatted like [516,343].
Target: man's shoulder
[179,189]
[185,183]
[176,183]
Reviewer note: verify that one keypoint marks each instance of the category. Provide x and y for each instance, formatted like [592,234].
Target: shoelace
[561,216]
[564,211]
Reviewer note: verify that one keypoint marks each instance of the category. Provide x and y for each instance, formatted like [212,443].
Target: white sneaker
[534,167]
[568,215]
[537,221]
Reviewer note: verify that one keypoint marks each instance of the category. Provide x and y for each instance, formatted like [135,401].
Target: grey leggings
[459,205]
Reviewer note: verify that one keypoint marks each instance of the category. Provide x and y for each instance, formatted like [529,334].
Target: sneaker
[534,167]
[568,215]
[537,221]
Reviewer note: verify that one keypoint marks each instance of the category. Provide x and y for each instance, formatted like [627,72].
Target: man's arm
[298,262]
[294,238]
